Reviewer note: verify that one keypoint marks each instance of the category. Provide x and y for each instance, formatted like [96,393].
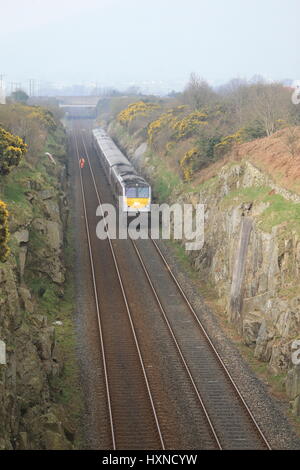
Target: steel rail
[105,368]
[209,341]
[127,307]
[187,369]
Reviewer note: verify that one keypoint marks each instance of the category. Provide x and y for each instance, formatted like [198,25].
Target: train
[130,189]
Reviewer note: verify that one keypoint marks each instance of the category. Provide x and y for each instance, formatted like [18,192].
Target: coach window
[130,192]
[143,192]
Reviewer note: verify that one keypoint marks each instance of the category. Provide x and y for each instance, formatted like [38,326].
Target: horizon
[121,44]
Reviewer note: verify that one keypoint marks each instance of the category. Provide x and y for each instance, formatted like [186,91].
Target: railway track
[234,425]
[132,415]
[229,420]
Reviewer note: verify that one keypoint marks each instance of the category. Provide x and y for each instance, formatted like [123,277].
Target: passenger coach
[128,187]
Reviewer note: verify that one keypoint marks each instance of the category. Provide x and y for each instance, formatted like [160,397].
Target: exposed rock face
[250,268]
[255,272]
[31,363]
[29,418]
[47,258]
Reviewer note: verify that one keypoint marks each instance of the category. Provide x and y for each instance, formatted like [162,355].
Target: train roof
[117,160]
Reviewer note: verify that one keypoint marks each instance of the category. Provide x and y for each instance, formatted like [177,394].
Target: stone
[25,296]
[52,210]
[39,321]
[29,373]
[55,441]
[22,260]
[47,194]
[251,327]
[23,441]
[140,151]
[52,232]
[263,349]
[296,406]
[22,236]
[280,359]
[293,382]
[45,342]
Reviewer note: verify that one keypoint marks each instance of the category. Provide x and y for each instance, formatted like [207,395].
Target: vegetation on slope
[196,128]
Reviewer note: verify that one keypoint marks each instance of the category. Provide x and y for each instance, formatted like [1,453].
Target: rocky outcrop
[29,416]
[293,388]
[46,257]
[254,271]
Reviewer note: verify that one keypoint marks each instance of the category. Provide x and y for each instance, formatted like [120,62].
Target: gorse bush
[189,125]
[12,148]
[186,163]
[135,110]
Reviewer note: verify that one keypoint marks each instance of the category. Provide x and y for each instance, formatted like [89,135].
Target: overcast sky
[111,41]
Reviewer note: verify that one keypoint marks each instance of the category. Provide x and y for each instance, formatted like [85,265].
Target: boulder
[263,349]
[22,236]
[52,210]
[296,406]
[26,301]
[56,441]
[251,327]
[47,194]
[293,382]
[52,232]
[293,389]
[22,259]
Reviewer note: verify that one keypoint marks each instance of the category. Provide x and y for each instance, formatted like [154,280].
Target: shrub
[187,126]
[134,110]
[186,163]
[12,148]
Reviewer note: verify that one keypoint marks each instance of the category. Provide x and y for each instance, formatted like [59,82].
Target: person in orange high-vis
[81,162]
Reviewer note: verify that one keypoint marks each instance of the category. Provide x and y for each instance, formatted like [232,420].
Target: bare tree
[269,103]
[198,93]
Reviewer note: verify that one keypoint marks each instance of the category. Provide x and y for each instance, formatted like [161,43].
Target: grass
[182,257]
[208,185]
[66,388]
[278,211]
[71,395]
[253,193]
[56,143]
[165,182]
[14,193]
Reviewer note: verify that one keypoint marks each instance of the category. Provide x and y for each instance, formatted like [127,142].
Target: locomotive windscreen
[137,191]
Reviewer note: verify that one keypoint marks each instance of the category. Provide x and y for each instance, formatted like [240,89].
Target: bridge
[79,106]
